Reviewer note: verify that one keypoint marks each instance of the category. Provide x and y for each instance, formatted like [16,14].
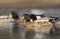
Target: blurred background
[51,7]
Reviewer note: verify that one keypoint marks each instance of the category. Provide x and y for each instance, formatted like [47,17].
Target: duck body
[6,19]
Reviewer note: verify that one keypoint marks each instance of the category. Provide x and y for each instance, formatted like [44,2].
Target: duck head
[14,15]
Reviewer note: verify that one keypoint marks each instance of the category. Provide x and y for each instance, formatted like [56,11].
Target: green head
[14,15]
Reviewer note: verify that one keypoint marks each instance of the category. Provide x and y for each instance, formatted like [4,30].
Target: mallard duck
[13,16]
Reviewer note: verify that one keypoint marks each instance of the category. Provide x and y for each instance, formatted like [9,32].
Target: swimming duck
[13,16]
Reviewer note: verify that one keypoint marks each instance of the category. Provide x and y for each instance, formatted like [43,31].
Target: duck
[12,17]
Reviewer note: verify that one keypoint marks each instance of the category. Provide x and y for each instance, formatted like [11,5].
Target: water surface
[10,31]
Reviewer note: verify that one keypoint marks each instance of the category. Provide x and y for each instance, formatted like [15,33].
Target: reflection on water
[19,33]
[30,35]
[6,31]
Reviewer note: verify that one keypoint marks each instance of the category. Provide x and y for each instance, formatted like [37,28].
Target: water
[19,33]
[10,31]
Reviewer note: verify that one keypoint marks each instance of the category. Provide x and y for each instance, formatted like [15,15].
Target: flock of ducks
[31,21]
[13,16]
